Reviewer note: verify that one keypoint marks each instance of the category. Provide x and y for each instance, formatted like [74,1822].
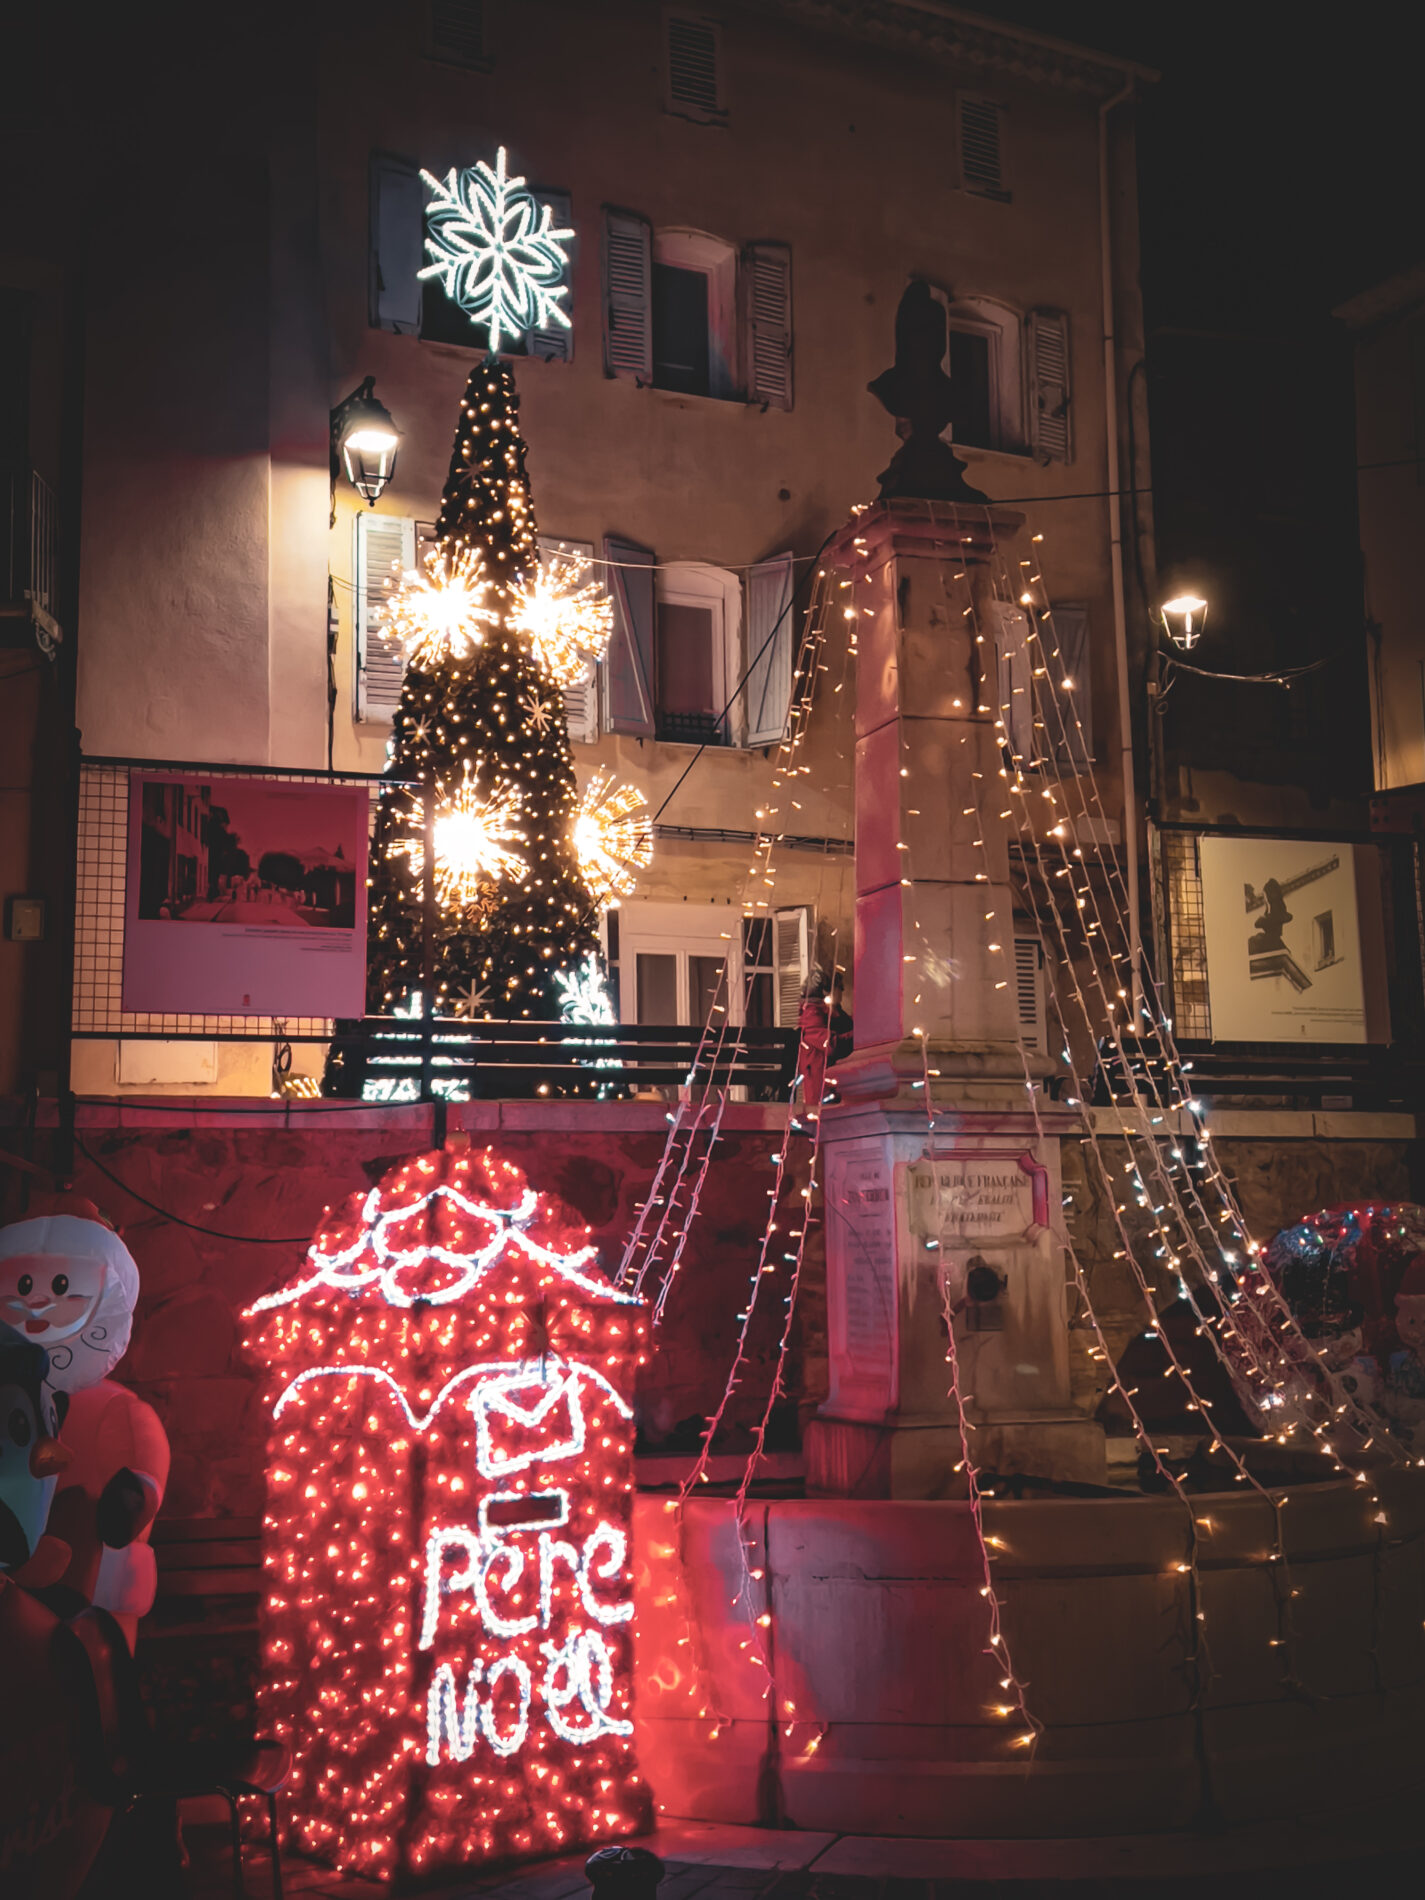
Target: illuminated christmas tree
[506,914]
[481,722]
[448,1613]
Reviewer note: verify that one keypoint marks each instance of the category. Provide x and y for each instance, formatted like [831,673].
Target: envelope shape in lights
[539,1397]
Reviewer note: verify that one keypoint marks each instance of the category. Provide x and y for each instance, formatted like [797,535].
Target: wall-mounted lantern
[1183,619]
[364,441]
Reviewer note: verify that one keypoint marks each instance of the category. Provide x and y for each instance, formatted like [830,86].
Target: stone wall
[1277,1178]
[217,1173]
[236,1174]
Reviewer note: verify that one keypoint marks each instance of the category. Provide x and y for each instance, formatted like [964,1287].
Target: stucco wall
[826,150]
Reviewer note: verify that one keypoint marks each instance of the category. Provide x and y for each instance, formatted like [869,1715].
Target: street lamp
[364,440]
[1183,619]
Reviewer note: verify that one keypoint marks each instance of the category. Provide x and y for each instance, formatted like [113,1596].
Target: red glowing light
[447,1631]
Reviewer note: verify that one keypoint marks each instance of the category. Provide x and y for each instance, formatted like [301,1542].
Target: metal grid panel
[96,1005]
[1187,935]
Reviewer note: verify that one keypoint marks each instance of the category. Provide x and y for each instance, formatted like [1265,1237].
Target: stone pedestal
[942,1188]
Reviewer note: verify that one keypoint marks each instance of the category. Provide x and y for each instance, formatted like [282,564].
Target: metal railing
[412,1058]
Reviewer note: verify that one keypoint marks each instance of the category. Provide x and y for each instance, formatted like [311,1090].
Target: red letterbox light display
[447,1627]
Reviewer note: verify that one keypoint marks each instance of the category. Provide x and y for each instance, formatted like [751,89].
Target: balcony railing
[408,1059]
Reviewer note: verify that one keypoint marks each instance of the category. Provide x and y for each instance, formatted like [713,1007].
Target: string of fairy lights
[1183,1196]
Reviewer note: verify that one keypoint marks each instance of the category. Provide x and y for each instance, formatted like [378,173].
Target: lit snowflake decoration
[584,998]
[584,995]
[612,837]
[440,614]
[566,619]
[473,836]
[496,251]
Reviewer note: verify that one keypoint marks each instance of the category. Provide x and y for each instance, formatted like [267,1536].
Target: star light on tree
[496,251]
[473,836]
[538,712]
[567,620]
[440,613]
[472,1001]
[612,836]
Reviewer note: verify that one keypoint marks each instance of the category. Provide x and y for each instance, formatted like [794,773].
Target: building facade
[751,188]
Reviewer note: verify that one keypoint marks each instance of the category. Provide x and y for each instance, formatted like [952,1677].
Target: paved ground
[1342,1856]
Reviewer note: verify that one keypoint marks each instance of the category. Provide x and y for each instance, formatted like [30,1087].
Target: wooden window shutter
[581,701]
[385,547]
[1029,994]
[556,344]
[1065,630]
[693,52]
[397,235]
[766,285]
[455,33]
[1049,385]
[628,670]
[769,649]
[791,958]
[628,296]
[1016,681]
[983,159]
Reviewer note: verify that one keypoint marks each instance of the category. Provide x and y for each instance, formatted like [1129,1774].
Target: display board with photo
[245,897]
[1284,951]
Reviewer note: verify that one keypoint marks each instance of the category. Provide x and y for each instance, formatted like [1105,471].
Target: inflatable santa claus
[69,1284]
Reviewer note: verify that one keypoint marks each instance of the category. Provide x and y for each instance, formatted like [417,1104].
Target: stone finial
[917,392]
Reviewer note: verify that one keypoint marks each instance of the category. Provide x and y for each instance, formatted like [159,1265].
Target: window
[675,661]
[759,973]
[698,611]
[680,329]
[694,297]
[672,960]
[684,312]
[981,125]
[983,362]
[693,68]
[686,963]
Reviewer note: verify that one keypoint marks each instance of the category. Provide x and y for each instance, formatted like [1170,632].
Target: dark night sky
[1279,174]
[1280,148]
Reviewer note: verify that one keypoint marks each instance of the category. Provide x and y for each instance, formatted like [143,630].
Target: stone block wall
[241,1194]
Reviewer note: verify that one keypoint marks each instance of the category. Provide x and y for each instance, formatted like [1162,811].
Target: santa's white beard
[76,1364]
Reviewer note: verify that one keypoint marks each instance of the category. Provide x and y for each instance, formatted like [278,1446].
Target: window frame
[652,928]
[1003,326]
[699,584]
[714,258]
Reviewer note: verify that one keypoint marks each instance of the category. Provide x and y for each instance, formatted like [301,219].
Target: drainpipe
[1115,546]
